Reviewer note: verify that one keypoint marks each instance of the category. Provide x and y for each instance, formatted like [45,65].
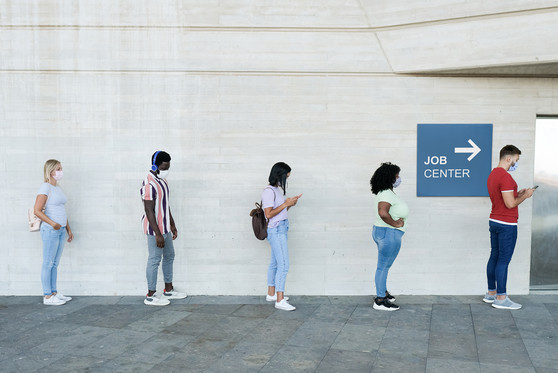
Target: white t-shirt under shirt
[273,197]
[55,207]
[398,209]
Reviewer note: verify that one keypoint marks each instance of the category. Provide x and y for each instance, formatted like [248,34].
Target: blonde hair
[50,166]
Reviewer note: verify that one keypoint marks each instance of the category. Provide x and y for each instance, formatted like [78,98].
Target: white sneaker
[173,294]
[284,305]
[273,298]
[53,301]
[63,297]
[155,301]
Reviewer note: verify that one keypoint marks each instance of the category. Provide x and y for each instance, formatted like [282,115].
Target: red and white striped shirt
[156,189]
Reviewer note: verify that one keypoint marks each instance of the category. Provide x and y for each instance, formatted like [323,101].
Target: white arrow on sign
[474,150]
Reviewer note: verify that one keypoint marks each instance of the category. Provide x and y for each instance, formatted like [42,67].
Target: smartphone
[535,187]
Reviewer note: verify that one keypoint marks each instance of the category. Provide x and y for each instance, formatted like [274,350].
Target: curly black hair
[384,177]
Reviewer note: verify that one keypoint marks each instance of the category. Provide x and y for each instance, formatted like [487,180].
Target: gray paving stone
[122,363]
[503,368]
[295,359]
[272,331]
[305,299]
[255,310]
[453,318]
[29,362]
[71,364]
[546,370]
[359,338]
[410,341]
[193,324]
[219,309]
[245,357]
[336,361]
[332,313]
[232,328]
[76,340]
[352,300]
[109,316]
[224,299]
[543,351]
[197,356]
[158,321]
[398,362]
[436,365]
[453,346]
[315,334]
[489,321]
[412,316]
[553,309]
[20,300]
[429,333]
[366,315]
[302,312]
[114,344]
[510,351]
[6,352]
[158,347]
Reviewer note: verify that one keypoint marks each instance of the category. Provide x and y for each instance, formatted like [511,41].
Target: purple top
[274,200]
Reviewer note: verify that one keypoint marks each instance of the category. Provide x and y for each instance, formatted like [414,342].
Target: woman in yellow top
[389,227]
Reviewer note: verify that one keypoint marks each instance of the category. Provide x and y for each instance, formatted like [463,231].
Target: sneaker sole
[54,304]
[155,304]
[171,297]
[505,307]
[381,308]
[285,309]
[488,300]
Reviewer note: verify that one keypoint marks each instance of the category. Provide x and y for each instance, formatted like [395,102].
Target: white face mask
[163,174]
[397,182]
[513,167]
[58,175]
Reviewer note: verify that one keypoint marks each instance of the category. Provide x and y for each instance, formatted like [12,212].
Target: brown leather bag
[259,221]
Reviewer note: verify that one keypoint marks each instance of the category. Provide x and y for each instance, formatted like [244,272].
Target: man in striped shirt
[160,229]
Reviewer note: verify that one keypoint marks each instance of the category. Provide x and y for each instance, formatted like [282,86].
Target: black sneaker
[383,304]
[390,297]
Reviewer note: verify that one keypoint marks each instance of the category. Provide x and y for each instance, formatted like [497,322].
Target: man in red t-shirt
[503,226]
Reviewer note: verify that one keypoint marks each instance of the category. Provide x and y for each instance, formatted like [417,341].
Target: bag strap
[48,195]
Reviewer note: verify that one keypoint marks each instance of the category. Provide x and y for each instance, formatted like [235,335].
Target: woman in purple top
[275,207]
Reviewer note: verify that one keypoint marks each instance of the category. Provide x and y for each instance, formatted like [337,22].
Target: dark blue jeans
[502,241]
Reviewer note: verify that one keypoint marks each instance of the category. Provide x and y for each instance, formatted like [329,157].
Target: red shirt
[499,181]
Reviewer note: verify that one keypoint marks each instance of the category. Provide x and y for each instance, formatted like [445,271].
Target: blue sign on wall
[453,159]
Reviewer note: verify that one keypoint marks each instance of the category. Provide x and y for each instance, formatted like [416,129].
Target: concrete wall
[228,91]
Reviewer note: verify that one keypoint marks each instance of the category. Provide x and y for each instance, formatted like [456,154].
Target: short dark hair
[384,177]
[161,157]
[509,150]
[278,175]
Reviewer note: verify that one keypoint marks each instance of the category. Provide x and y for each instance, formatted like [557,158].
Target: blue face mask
[397,182]
[513,167]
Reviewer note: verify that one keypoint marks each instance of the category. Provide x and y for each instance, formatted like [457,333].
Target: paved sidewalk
[246,334]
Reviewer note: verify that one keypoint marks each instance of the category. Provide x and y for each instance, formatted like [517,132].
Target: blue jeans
[502,241]
[279,265]
[154,259]
[53,244]
[389,243]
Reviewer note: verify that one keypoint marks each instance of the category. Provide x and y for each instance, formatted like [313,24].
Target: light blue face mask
[397,182]
[513,167]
